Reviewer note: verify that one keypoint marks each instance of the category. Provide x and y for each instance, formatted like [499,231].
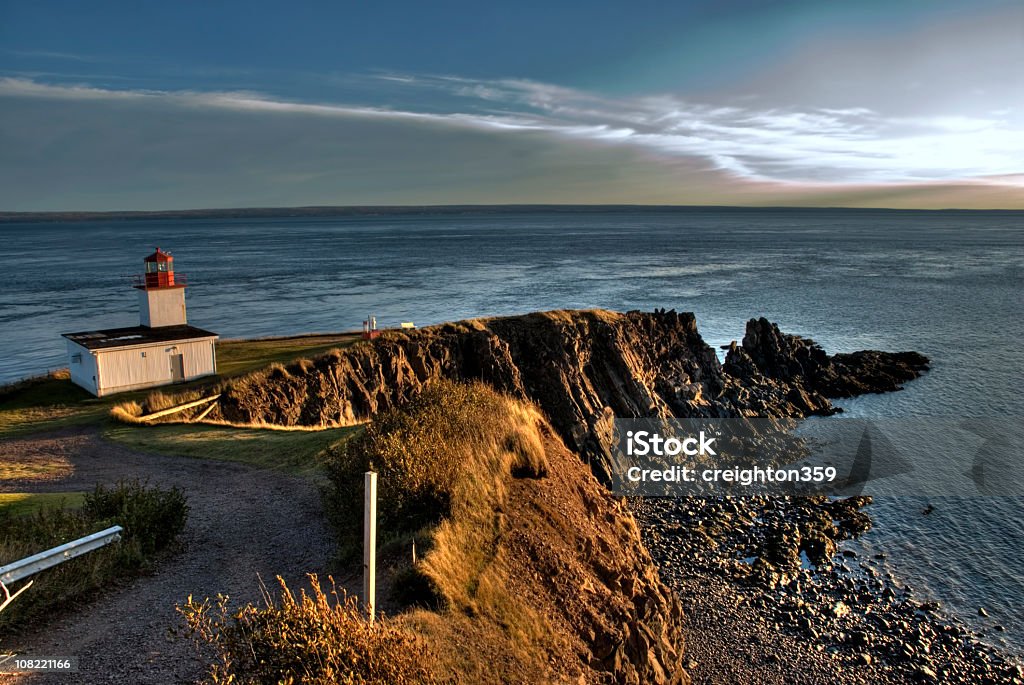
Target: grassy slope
[528,570]
[46,403]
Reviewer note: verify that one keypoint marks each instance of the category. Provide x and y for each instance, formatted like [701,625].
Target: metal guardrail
[12,573]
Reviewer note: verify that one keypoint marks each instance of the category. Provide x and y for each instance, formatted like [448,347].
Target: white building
[163,349]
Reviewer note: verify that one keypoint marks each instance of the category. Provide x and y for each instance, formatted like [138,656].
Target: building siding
[141,366]
[82,365]
[128,369]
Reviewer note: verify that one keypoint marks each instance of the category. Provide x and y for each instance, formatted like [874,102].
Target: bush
[151,517]
[315,639]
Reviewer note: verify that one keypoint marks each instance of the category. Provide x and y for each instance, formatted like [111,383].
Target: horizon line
[328,210]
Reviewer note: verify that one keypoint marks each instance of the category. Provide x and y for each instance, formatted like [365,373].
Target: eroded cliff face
[583,368]
[576,551]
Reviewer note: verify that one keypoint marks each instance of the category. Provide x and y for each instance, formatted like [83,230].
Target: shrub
[278,372]
[151,517]
[315,639]
[300,367]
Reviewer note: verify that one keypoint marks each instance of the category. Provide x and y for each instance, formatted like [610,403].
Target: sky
[171,105]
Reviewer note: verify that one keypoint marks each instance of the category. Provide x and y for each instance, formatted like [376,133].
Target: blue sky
[146,105]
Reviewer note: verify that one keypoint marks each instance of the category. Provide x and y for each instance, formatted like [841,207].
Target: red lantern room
[159,270]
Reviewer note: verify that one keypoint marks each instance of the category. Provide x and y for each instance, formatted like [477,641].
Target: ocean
[947,284]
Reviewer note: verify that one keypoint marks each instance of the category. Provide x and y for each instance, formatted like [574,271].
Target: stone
[840,609]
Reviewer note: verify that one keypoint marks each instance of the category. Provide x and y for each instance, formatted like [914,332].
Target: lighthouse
[162,349]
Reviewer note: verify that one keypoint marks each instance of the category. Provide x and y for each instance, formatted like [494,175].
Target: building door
[177,368]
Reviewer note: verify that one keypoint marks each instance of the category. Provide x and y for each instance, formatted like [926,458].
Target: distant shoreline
[426,210]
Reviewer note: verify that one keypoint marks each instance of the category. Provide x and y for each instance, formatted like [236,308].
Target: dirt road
[243,522]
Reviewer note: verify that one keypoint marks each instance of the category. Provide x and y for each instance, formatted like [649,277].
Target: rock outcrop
[583,368]
[800,362]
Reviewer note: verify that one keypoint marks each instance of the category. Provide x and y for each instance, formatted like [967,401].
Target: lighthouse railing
[139,280]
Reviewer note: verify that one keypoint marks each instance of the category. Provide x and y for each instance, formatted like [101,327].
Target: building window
[76,358]
[143,354]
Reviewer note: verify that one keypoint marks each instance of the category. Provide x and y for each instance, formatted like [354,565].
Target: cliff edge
[582,368]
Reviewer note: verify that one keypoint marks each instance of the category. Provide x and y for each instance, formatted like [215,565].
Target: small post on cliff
[370,544]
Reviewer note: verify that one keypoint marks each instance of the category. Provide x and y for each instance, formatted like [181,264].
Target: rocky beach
[773,595]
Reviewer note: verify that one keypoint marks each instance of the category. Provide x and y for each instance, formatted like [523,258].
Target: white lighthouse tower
[162,349]
[161,296]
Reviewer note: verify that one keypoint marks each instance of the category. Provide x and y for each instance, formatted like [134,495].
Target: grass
[53,389]
[24,503]
[235,357]
[34,468]
[51,401]
[47,402]
[297,452]
[15,422]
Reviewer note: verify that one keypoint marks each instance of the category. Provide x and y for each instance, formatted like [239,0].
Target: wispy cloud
[54,55]
[816,145]
[826,146]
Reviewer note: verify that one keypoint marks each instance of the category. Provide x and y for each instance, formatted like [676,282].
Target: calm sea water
[948,284]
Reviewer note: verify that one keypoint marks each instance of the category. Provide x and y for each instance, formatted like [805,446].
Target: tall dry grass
[132,411]
[318,638]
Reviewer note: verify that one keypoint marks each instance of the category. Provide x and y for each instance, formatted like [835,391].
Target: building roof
[136,335]
[159,256]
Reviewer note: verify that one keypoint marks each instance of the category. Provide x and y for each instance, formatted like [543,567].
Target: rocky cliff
[767,353]
[583,368]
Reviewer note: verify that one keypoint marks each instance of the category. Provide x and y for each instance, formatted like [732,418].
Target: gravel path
[243,522]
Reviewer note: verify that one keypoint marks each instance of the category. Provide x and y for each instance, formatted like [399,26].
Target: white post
[370,544]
